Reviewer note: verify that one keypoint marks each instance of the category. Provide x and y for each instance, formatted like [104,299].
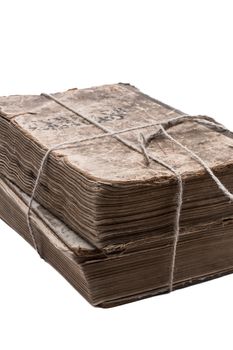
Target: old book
[103,188]
[204,252]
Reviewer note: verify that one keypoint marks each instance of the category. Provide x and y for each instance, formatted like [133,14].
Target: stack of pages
[103,215]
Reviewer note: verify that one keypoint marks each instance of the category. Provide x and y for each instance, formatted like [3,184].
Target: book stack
[120,208]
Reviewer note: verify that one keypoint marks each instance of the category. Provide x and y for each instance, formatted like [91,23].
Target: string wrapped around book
[142,148]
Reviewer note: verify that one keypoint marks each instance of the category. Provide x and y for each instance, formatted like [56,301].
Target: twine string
[179,199]
[142,149]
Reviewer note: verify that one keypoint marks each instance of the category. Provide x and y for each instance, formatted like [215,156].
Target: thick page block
[101,188]
[203,253]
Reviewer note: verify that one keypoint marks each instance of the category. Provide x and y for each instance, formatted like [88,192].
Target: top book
[103,186]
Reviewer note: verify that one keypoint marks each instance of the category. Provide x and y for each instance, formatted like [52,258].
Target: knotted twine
[141,148]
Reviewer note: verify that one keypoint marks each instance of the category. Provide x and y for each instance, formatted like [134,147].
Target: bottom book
[142,270]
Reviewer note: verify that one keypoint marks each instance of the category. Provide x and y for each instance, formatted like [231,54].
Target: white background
[177,51]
